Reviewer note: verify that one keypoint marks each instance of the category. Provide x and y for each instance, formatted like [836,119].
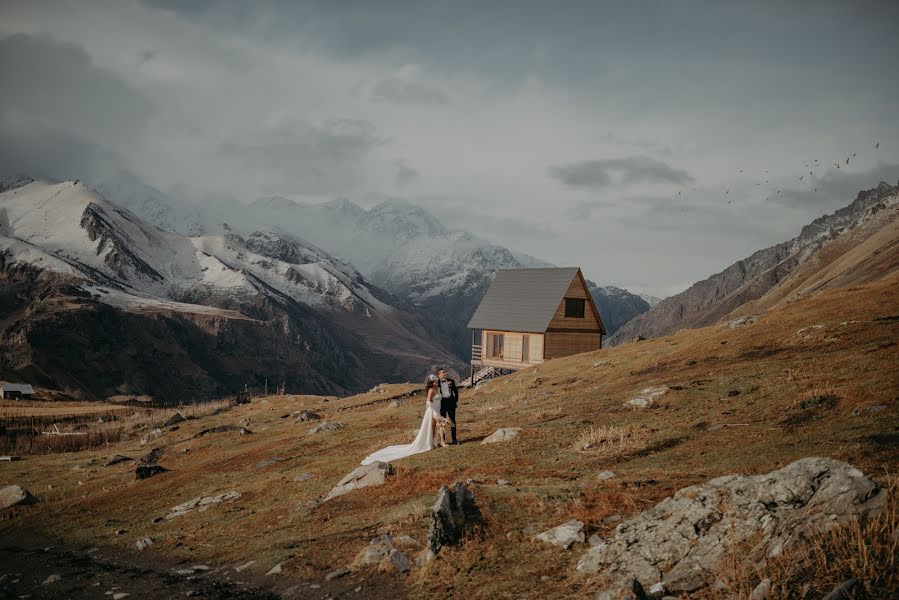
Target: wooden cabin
[16,391]
[528,316]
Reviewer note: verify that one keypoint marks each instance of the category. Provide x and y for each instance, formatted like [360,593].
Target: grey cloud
[404,173]
[325,158]
[399,90]
[593,174]
[58,86]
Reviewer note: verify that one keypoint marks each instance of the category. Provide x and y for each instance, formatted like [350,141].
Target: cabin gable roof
[523,299]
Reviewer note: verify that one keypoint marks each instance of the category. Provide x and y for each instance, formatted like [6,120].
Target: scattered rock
[805,331]
[244,431]
[220,410]
[682,539]
[307,415]
[398,561]
[201,503]
[341,572]
[742,321]
[303,477]
[594,540]
[871,409]
[564,535]
[845,591]
[393,404]
[276,570]
[245,566]
[502,482]
[52,579]
[377,550]
[453,516]
[326,426]
[760,592]
[120,595]
[361,477]
[269,462]
[612,519]
[144,543]
[9,458]
[601,363]
[173,420]
[147,471]
[605,475]
[647,397]
[152,457]
[14,495]
[218,429]
[502,435]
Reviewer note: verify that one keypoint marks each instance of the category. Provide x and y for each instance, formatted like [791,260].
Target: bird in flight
[800,177]
[877,145]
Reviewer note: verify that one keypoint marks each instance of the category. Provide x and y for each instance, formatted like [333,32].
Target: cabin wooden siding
[511,358]
[566,343]
[590,322]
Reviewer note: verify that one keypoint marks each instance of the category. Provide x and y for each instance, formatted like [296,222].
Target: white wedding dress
[423,442]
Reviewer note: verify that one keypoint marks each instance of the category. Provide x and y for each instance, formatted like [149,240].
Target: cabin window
[525,348]
[574,308]
[495,344]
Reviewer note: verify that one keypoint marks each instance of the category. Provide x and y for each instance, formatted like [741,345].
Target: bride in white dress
[425,439]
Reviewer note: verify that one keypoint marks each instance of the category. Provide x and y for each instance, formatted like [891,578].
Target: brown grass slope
[738,404]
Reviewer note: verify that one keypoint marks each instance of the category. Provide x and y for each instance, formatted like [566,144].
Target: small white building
[16,391]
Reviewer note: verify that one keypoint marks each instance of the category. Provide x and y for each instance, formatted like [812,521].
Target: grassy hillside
[743,400]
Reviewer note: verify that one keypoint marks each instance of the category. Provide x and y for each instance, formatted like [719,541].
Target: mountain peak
[402,219]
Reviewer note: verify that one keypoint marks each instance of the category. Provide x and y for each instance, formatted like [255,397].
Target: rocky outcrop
[681,541]
[361,477]
[201,503]
[564,535]
[502,435]
[454,515]
[710,300]
[647,397]
[14,495]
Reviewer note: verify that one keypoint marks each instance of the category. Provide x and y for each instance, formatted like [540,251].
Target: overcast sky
[633,139]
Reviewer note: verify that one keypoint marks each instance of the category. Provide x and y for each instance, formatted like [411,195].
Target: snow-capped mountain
[74,243]
[402,248]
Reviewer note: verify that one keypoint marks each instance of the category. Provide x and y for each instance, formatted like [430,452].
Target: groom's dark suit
[449,401]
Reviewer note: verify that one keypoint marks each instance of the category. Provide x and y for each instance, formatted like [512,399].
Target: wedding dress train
[423,442]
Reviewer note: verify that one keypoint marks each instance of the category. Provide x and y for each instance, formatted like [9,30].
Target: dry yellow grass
[730,392]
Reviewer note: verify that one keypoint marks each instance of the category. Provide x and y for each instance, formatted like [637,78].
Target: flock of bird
[812,165]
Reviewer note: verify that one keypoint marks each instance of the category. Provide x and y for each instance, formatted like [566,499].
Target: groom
[449,399]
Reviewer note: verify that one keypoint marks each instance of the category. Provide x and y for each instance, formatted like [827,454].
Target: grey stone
[341,572]
[276,570]
[398,561]
[14,495]
[393,404]
[361,477]
[303,477]
[453,516]
[269,462]
[682,540]
[173,420]
[760,592]
[502,482]
[144,543]
[118,458]
[742,321]
[307,415]
[605,475]
[647,397]
[9,458]
[326,426]
[845,591]
[564,535]
[377,550]
[594,540]
[872,409]
[55,577]
[244,566]
[200,503]
[612,519]
[502,435]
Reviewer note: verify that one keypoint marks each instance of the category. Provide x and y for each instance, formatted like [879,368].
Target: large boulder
[14,495]
[453,516]
[564,535]
[502,435]
[682,540]
[365,476]
[647,397]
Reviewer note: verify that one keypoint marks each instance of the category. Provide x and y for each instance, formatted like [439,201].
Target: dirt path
[35,567]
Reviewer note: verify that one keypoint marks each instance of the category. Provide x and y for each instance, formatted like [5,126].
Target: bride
[424,441]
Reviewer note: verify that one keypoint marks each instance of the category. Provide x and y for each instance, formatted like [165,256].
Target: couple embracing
[440,412]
